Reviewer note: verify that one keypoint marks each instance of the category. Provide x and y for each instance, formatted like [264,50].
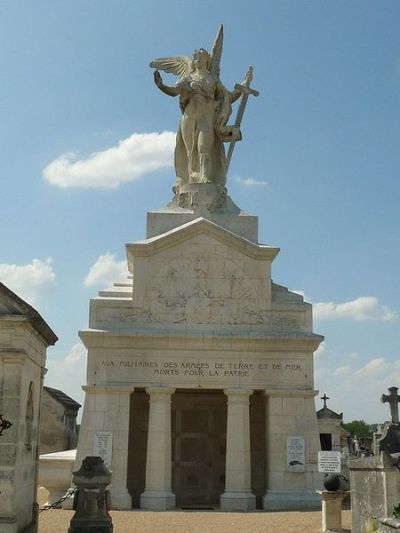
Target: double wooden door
[198,447]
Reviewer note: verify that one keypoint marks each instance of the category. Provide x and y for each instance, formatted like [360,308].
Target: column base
[121,500]
[157,500]
[237,501]
[291,500]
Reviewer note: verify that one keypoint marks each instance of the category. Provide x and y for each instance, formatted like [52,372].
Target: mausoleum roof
[63,398]
[12,305]
[325,412]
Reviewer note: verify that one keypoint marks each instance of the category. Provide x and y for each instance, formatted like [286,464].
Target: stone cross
[393,400]
[324,397]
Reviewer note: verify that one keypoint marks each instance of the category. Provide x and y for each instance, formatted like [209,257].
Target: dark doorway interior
[326,441]
[138,427]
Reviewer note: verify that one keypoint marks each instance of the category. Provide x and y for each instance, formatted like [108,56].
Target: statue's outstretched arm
[170,91]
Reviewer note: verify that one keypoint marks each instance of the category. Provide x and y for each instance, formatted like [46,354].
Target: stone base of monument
[157,500]
[291,500]
[206,200]
[237,501]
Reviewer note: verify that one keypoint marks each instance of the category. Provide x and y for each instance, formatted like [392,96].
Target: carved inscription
[153,369]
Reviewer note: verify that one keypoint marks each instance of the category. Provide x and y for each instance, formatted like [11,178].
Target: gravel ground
[57,521]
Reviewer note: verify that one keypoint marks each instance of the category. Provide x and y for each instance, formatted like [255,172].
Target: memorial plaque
[295,454]
[102,446]
[329,462]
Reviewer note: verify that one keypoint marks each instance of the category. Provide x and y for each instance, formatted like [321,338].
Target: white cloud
[133,157]
[363,308]
[30,282]
[76,355]
[250,182]
[68,372]
[353,355]
[373,367]
[342,370]
[105,271]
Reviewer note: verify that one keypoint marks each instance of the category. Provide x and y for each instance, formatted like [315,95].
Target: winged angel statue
[206,107]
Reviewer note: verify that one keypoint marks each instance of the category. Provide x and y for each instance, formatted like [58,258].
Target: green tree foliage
[359,429]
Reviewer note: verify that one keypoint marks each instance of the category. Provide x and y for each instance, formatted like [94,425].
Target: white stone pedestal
[331,510]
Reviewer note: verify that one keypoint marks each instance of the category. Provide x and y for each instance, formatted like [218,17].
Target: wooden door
[199,449]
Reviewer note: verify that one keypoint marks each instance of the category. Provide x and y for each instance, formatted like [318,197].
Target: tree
[359,429]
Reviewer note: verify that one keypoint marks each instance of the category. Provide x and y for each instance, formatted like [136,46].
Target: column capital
[160,393]
[238,395]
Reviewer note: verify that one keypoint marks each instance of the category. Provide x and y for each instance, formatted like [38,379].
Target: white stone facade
[201,318]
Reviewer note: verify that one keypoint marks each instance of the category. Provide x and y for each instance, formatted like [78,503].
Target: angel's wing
[180,65]
[216,52]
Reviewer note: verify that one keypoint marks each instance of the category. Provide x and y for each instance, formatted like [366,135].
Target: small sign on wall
[102,446]
[329,462]
[295,454]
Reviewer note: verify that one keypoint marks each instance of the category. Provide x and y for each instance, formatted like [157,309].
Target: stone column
[238,495]
[158,495]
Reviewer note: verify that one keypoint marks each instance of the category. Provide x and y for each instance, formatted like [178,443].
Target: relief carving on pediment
[203,289]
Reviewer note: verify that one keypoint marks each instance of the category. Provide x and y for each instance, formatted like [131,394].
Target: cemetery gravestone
[375,481]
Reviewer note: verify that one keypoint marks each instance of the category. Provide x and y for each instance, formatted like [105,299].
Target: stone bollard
[331,510]
[91,501]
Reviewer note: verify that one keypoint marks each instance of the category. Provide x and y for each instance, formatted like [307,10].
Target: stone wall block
[274,406]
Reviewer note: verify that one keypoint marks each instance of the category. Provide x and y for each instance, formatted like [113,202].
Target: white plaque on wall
[329,462]
[102,446]
[295,454]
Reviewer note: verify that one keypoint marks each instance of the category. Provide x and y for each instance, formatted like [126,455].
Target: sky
[87,148]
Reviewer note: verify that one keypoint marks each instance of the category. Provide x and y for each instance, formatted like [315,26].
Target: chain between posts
[55,505]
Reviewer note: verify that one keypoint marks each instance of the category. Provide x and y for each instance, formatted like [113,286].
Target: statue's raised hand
[157,79]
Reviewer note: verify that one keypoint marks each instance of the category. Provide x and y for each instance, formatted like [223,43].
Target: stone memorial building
[24,339]
[200,386]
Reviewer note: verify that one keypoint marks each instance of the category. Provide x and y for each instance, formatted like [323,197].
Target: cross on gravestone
[393,400]
[324,398]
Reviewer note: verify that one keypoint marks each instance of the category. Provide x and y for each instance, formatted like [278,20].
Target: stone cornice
[128,340]
[291,393]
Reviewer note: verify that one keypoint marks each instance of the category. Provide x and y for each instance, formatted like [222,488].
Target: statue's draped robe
[213,90]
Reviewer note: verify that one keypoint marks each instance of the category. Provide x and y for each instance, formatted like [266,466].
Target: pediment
[193,230]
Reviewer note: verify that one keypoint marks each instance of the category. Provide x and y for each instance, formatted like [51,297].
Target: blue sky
[319,163]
